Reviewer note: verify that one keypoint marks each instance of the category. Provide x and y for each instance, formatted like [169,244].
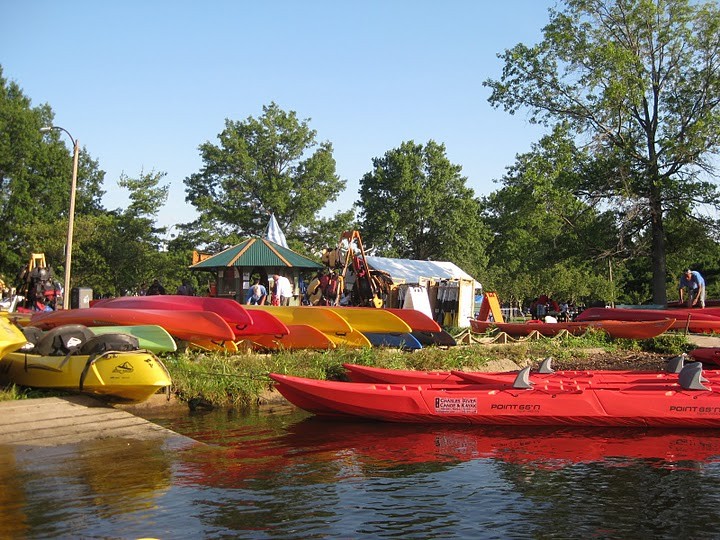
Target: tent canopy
[413,271]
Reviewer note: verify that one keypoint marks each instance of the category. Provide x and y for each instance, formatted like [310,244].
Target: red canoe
[239,318]
[651,405]
[616,329]
[185,325]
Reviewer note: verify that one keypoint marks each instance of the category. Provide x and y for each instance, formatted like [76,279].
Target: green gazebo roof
[256,252]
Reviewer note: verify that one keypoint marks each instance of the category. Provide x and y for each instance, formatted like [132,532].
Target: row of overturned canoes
[110,348]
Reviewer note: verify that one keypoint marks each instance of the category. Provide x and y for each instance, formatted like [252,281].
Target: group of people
[156,288]
[281,293]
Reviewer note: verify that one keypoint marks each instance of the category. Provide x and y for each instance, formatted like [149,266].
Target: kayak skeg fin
[690,378]
[522,381]
[676,363]
[546,366]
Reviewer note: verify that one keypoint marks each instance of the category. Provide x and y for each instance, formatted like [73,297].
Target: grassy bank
[239,381]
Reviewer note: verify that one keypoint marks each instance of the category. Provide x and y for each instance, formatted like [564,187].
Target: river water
[286,474]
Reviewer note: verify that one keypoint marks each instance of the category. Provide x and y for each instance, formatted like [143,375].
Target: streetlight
[71,215]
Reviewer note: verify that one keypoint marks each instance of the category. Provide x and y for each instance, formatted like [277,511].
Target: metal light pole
[71,214]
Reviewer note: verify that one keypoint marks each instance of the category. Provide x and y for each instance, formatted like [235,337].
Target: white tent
[274,233]
[414,271]
[454,303]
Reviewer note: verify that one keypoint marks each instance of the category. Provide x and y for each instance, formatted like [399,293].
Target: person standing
[155,288]
[186,289]
[693,281]
[283,289]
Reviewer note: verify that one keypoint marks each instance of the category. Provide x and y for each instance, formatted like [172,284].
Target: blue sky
[143,84]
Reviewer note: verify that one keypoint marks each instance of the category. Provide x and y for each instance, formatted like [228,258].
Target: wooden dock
[58,421]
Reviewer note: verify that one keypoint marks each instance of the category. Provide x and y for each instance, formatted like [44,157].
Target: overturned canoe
[185,325]
[237,317]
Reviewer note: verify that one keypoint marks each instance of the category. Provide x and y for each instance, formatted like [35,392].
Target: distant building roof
[256,252]
[412,271]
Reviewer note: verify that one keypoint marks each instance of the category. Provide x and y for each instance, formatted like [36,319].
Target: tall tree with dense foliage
[415,204]
[639,82]
[545,235]
[35,175]
[270,164]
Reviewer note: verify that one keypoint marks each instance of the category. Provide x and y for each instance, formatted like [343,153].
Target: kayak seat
[109,342]
[62,340]
[32,334]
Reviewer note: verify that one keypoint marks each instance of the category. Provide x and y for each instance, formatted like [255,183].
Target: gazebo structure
[234,268]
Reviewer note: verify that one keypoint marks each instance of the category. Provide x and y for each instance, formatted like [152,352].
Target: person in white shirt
[283,289]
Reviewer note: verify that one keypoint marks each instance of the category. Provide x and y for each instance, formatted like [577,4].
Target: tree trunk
[659,265]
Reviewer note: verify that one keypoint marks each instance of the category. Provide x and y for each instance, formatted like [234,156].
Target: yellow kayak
[365,319]
[11,337]
[72,359]
[335,327]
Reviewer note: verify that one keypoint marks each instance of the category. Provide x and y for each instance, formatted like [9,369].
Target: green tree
[545,235]
[116,251]
[415,204]
[272,164]
[35,175]
[639,81]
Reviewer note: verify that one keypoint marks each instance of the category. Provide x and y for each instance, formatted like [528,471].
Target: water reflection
[378,445]
[346,478]
[287,475]
[43,488]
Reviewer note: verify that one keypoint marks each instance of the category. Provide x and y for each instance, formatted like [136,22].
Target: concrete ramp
[55,421]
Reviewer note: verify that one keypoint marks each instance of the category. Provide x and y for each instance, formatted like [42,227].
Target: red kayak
[239,318]
[590,378]
[615,329]
[416,320]
[708,355]
[185,325]
[697,321]
[368,374]
[652,405]
[635,314]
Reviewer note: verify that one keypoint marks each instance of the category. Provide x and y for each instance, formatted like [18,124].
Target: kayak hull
[300,336]
[237,317]
[11,337]
[185,325]
[658,405]
[127,376]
